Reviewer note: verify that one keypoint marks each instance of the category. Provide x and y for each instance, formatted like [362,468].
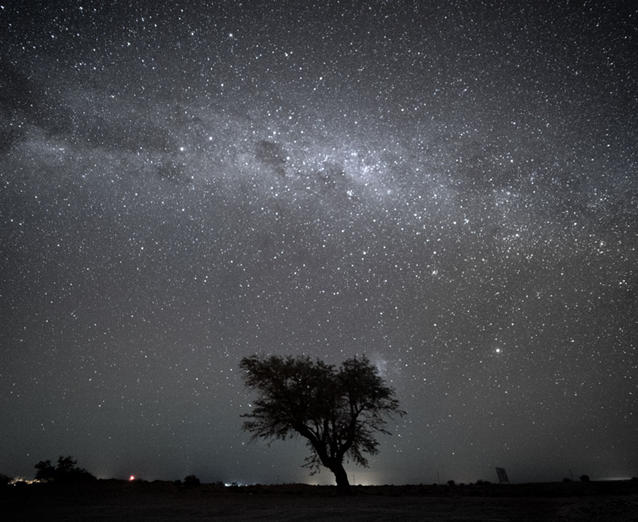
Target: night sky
[449,187]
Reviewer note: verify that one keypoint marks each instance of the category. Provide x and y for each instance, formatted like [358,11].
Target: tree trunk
[343,486]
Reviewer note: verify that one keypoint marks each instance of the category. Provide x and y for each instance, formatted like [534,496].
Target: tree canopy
[338,410]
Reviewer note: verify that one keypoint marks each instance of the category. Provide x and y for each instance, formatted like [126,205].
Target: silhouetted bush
[451,483]
[191,481]
[584,478]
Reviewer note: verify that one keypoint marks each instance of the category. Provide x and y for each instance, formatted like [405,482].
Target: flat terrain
[164,501]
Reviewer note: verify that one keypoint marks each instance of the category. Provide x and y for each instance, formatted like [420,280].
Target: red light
[131,478]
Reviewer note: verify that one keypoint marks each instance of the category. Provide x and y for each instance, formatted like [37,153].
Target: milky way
[450,188]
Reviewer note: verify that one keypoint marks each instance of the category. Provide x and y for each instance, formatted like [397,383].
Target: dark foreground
[110,500]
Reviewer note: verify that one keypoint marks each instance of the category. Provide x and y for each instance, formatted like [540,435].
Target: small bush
[584,478]
[191,481]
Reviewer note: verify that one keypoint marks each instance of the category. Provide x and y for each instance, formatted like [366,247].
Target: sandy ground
[163,505]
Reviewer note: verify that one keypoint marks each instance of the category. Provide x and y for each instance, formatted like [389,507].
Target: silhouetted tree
[66,466]
[45,471]
[584,478]
[66,470]
[338,411]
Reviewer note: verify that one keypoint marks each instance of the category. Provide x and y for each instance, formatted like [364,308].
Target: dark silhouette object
[502,476]
[4,480]
[451,483]
[584,478]
[191,481]
[565,480]
[338,411]
[66,470]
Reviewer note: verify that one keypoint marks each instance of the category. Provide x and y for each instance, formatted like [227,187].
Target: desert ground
[111,500]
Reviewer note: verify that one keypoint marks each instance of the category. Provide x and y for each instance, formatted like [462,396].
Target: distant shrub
[451,483]
[177,482]
[584,478]
[191,481]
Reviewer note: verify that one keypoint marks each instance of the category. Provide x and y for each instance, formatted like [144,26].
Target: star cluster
[450,188]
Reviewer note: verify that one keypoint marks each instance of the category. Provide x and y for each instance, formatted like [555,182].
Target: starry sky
[449,187]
